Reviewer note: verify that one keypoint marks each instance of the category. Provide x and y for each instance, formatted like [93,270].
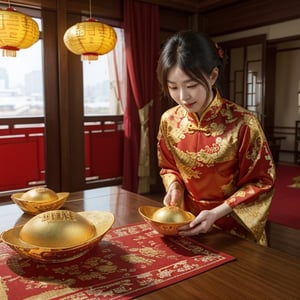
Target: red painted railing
[104,148]
[22,158]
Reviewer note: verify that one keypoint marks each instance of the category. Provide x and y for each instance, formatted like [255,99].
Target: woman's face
[188,93]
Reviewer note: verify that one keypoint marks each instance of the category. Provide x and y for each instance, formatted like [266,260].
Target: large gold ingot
[83,234]
[56,229]
[17,31]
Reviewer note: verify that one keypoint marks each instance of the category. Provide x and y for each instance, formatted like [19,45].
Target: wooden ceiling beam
[194,6]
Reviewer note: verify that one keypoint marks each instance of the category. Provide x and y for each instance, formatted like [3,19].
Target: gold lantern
[17,31]
[90,39]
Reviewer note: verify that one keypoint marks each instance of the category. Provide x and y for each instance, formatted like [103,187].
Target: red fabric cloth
[141,28]
[130,261]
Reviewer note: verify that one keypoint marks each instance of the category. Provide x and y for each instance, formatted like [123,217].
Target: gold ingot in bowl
[39,199]
[39,194]
[166,220]
[56,229]
[59,235]
[170,214]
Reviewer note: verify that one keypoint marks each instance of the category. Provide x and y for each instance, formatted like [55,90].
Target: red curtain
[141,28]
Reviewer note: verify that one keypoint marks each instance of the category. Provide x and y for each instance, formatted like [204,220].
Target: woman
[214,158]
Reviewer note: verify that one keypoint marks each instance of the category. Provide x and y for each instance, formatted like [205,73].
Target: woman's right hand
[174,195]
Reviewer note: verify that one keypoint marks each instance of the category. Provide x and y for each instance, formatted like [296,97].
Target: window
[21,83]
[104,81]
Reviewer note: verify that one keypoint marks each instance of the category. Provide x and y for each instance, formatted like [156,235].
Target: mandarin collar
[210,112]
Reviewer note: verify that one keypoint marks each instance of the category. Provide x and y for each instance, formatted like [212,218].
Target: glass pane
[96,86]
[239,82]
[237,74]
[104,81]
[254,52]
[236,60]
[21,83]
[254,87]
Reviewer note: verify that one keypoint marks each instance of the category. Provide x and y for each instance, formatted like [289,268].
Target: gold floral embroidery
[3,288]
[254,215]
[215,156]
[135,259]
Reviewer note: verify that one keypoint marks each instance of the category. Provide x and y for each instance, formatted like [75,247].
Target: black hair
[193,52]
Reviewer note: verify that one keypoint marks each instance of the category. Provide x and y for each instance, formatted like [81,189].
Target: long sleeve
[169,171]
[252,199]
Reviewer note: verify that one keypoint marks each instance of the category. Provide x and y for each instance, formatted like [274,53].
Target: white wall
[287,78]
[275,31]
[286,93]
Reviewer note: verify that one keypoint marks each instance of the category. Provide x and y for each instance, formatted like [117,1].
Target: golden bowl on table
[58,235]
[166,220]
[39,199]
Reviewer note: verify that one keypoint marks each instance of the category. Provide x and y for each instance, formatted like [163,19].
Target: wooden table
[257,273]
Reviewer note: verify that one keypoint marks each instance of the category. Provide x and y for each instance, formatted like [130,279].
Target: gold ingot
[166,220]
[40,194]
[39,199]
[101,221]
[170,214]
[56,229]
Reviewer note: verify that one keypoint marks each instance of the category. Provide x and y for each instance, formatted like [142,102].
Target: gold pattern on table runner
[3,295]
[296,183]
[50,294]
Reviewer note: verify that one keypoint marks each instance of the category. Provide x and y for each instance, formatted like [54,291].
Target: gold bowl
[58,235]
[166,220]
[39,199]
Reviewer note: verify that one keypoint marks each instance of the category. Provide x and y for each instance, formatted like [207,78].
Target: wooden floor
[280,237]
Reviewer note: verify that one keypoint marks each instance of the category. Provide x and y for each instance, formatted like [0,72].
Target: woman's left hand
[205,220]
[201,224]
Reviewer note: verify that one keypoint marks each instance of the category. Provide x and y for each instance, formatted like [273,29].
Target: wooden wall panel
[112,9]
[51,94]
[250,14]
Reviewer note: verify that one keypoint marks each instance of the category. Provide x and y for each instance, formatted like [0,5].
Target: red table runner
[130,261]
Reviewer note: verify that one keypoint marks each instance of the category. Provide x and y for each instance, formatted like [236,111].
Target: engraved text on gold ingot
[57,228]
[167,228]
